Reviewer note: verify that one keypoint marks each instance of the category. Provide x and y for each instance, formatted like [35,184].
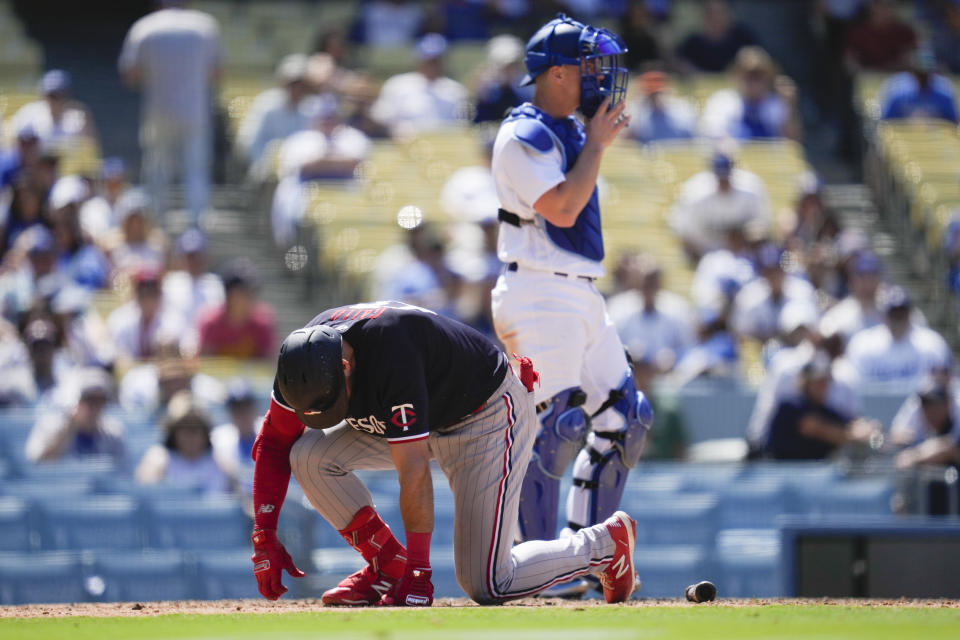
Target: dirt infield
[134,609]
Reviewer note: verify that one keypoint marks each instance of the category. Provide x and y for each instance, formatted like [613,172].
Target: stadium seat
[863,496]
[92,522]
[146,575]
[753,504]
[201,523]
[748,563]
[686,518]
[41,577]
[227,574]
[71,469]
[17,526]
[666,570]
[42,490]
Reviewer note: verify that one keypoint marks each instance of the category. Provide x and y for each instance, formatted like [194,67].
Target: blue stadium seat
[41,577]
[714,408]
[748,563]
[862,496]
[753,504]
[146,575]
[43,490]
[709,476]
[208,522]
[685,519]
[122,485]
[92,522]
[666,570]
[17,525]
[227,574]
[72,469]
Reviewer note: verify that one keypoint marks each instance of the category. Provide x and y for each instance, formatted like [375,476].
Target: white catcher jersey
[522,175]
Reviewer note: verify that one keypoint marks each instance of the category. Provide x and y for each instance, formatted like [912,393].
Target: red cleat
[619,577]
[363,588]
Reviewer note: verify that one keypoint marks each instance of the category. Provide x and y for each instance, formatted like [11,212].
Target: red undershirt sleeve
[271,473]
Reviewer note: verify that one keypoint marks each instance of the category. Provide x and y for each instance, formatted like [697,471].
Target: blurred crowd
[794,293]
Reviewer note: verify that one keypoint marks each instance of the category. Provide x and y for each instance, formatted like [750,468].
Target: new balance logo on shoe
[620,567]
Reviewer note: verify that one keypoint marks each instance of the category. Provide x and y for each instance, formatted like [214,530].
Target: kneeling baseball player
[386,385]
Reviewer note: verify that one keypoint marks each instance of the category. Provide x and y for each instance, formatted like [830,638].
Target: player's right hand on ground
[606,123]
[269,560]
[413,590]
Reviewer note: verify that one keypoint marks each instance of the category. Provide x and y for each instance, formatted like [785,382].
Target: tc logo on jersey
[403,416]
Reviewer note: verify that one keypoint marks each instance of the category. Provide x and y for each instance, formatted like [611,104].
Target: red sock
[372,538]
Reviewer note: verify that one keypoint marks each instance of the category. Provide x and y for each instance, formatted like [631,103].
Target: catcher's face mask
[602,70]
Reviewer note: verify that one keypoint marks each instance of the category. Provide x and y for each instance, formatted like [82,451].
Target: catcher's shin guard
[563,425]
[600,471]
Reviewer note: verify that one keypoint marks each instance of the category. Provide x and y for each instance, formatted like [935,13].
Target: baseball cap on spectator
[893,298]
[722,165]
[146,275]
[112,168]
[769,256]
[241,272]
[40,240]
[504,49]
[68,190]
[133,201]
[94,383]
[55,81]
[866,263]
[809,184]
[431,46]
[817,367]
[27,133]
[292,68]
[192,241]
[239,392]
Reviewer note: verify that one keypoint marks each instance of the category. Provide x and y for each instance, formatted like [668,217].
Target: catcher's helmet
[598,53]
[310,376]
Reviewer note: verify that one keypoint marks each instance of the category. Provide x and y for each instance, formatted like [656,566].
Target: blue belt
[513,266]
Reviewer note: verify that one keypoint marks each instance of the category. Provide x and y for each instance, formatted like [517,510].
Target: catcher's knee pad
[563,425]
[598,482]
[636,413]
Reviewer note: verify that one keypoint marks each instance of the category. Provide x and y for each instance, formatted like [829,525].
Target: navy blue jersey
[415,372]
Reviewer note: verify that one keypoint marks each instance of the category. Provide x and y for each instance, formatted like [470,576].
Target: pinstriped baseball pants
[484,457]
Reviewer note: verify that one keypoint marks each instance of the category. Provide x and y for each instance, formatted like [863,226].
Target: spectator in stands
[57,119]
[173,55]
[809,221]
[242,327]
[714,48]
[185,459]
[25,211]
[715,353]
[712,202]
[798,324]
[191,289]
[147,388]
[21,158]
[276,113]
[757,307]
[86,338]
[659,114]
[946,36]
[233,440]
[80,428]
[419,275]
[98,214]
[721,273]
[422,100]
[919,93]
[78,259]
[497,87]
[927,426]
[139,325]
[639,31]
[652,323]
[462,19]
[808,428]
[881,42]
[29,381]
[763,105]
[139,245]
[859,309]
[898,351]
[24,280]
[387,23]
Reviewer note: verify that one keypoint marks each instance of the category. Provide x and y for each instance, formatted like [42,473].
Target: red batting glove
[414,589]
[269,560]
